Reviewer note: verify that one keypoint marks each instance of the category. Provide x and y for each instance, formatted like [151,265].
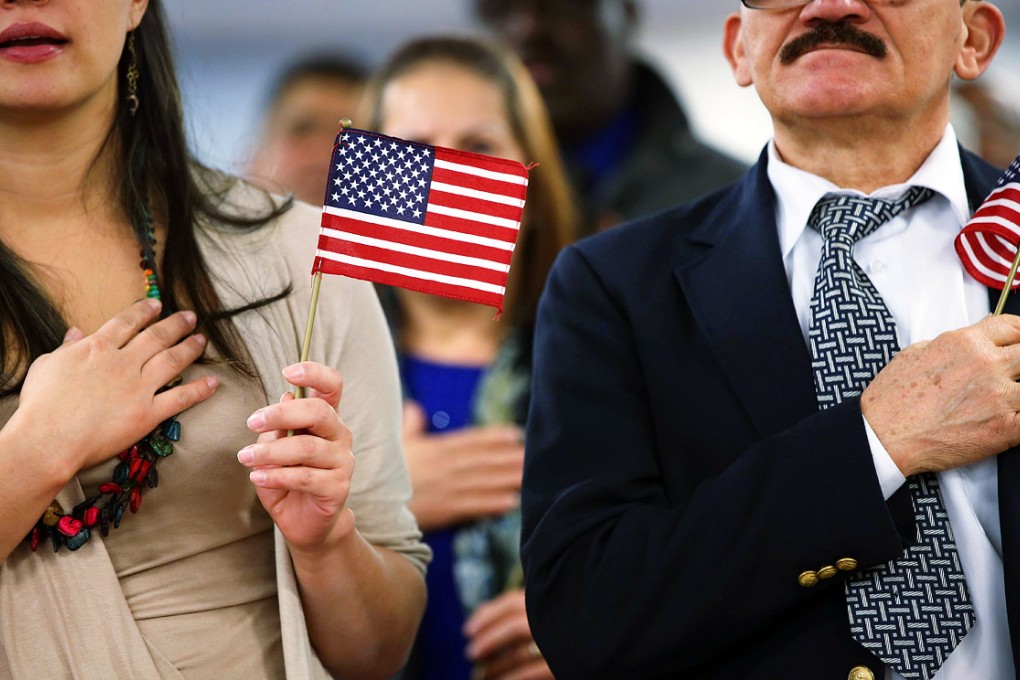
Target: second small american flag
[421,217]
[989,241]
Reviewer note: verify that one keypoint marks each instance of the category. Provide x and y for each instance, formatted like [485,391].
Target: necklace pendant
[135,470]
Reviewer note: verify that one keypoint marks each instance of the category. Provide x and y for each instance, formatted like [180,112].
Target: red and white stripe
[987,246]
[472,219]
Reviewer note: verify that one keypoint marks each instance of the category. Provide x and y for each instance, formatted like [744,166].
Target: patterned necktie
[913,611]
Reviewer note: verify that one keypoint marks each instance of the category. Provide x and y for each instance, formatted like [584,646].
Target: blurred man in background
[302,115]
[994,116]
[627,142]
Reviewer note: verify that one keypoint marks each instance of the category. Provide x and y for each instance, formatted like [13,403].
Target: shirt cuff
[889,476]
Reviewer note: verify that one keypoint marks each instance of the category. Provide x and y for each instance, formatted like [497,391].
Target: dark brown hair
[150,155]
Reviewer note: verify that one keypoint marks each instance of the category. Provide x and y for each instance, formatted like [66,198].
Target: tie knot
[845,216]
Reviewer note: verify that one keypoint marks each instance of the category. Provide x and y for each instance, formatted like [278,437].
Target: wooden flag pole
[306,345]
[1009,284]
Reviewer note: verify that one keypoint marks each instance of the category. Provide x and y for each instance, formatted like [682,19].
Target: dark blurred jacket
[666,164]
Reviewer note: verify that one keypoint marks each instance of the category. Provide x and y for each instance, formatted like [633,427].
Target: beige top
[191,586]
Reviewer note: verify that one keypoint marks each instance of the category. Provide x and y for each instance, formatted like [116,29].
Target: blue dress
[446,393]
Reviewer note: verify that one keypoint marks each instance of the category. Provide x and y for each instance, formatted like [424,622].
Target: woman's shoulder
[249,217]
[264,244]
[250,233]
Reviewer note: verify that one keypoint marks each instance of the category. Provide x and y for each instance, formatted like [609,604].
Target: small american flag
[988,244]
[422,217]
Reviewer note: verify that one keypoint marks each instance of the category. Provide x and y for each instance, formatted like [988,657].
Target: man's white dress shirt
[913,264]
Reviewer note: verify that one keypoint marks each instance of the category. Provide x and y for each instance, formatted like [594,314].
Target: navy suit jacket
[679,475]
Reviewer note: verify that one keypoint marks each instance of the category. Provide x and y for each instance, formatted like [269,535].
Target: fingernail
[212,382]
[294,371]
[71,332]
[154,303]
[246,455]
[257,477]
[200,339]
[189,316]
[257,420]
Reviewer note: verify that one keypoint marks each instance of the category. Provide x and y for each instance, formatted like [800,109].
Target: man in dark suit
[699,500]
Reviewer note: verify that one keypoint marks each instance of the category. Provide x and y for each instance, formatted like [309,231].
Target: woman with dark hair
[466,378]
[158,522]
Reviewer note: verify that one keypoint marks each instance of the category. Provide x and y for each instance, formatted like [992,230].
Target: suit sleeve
[624,577]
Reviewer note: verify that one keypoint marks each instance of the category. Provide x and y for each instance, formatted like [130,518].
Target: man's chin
[824,96]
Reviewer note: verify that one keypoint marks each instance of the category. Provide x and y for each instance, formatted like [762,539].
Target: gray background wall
[229,49]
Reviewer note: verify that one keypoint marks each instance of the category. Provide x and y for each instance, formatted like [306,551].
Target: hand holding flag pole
[421,217]
[306,344]
[989,245]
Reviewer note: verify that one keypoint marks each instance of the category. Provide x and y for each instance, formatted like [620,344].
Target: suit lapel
[733,279]
[1009,512]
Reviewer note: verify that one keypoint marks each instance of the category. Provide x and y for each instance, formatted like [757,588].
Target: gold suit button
[808,579]
[827,571]
[846,564]
[860,673]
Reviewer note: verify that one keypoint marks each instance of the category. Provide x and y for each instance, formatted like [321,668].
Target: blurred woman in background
[244,558]
[466,376]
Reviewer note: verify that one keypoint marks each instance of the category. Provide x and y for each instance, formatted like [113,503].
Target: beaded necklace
[135,471]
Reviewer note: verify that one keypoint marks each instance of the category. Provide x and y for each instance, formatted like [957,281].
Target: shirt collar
[798,191]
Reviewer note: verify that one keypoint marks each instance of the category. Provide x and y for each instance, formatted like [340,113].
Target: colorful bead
[79,510]
[69,526]
[160,446]
[120,473]
[172,430]
[143,470]
[52,514]
[136,499]
[91,517]
[79,539]
[104,522]
[136,464]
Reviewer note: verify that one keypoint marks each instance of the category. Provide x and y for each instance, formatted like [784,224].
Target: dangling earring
[132,76]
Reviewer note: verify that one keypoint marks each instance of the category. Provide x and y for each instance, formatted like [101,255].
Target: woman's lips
[30,53]
[31,42]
